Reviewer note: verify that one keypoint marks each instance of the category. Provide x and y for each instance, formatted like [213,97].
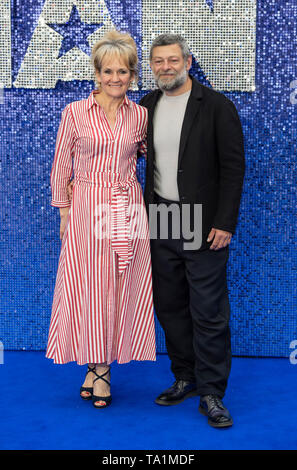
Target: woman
[102,306]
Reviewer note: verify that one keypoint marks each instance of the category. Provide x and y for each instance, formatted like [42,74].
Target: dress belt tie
[121,242]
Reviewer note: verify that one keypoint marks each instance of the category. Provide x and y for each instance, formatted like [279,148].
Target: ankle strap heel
[105,401]
[89,390]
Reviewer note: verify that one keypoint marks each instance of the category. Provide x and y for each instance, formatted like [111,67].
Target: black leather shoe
[178,392]
[218,415]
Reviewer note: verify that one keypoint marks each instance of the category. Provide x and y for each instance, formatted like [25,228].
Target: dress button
[180,171]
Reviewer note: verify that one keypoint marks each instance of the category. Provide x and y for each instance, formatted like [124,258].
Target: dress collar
[91,100]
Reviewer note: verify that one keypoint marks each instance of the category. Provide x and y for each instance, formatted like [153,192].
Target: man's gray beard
[178,81]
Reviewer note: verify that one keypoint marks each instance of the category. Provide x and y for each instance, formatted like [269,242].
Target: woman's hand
[63,214]
[70,190]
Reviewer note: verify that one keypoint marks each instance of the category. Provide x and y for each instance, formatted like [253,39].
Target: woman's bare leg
[88,381]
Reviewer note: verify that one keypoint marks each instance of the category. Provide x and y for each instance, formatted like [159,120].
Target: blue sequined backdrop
[262,268]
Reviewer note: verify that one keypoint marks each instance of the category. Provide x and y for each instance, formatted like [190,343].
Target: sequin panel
[245,51]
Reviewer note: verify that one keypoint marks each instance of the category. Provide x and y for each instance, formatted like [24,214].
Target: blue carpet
[40,408]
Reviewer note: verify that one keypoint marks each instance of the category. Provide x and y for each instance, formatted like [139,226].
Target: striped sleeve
[62,165]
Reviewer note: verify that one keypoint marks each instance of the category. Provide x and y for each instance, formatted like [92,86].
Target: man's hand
[220,238]
[63,214]
[69,190]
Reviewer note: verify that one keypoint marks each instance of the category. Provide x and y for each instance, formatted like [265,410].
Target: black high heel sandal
[95,398]
[88,389]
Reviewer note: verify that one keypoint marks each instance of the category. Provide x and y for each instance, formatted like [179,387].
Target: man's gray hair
[167,40]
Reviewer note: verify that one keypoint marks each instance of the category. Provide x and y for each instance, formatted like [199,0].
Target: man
[195,157]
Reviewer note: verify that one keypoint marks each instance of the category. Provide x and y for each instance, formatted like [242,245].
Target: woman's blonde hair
[119,44]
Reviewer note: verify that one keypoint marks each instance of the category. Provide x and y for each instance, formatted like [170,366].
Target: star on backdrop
[210,4]
[75,33]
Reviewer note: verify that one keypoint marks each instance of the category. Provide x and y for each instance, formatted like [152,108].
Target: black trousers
[191,303]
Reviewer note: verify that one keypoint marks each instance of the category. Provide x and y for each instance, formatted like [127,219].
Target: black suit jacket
[211,157]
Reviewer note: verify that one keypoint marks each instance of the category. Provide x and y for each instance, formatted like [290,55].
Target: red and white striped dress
[102,306]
